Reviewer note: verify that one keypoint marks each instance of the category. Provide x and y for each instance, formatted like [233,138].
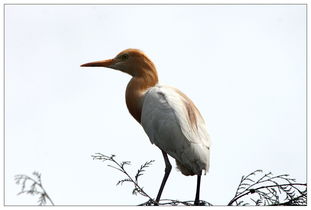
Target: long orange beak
[104,63]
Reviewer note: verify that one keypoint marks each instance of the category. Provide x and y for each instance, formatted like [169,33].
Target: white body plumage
[175,125]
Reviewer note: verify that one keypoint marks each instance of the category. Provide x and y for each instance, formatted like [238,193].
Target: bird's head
[131,61]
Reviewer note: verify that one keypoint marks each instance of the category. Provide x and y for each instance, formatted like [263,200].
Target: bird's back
[174,124]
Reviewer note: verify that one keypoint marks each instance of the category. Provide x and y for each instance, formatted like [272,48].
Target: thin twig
[22,179]
[270,196]
[120,167]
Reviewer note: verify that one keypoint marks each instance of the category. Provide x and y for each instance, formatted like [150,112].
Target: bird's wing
[175,125]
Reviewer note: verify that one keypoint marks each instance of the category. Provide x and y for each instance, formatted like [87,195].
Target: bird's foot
[198,203]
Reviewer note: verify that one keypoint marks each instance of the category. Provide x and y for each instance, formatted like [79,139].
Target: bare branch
[34,185]
[121,167]
[269,190]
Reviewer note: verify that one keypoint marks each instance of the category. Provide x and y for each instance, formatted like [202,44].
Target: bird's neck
[136,90]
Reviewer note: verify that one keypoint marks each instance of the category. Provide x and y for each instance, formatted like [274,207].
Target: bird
[169,118]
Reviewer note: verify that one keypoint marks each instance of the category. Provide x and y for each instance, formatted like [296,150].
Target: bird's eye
[124,57]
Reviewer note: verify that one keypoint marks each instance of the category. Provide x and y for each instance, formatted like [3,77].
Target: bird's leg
[197,195]
[168,169]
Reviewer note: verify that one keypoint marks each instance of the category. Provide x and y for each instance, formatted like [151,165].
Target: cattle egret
[170,119]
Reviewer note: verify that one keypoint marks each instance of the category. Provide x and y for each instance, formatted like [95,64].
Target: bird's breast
[134,102]
[134,105]
[135,93]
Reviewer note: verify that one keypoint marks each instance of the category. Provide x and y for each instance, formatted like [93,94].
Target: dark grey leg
[168,169]
[197,195]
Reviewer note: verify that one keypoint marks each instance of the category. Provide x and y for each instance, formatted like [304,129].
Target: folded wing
[175,125]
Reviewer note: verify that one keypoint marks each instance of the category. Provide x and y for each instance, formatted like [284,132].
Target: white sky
[243,66]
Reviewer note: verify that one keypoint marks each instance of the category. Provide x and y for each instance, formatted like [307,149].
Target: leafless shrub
[120,166]
[257,188]
[33,186]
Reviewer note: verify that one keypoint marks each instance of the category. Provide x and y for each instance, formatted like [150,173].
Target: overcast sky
[243,66]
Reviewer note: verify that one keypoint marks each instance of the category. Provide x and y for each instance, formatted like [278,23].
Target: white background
[243,66]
